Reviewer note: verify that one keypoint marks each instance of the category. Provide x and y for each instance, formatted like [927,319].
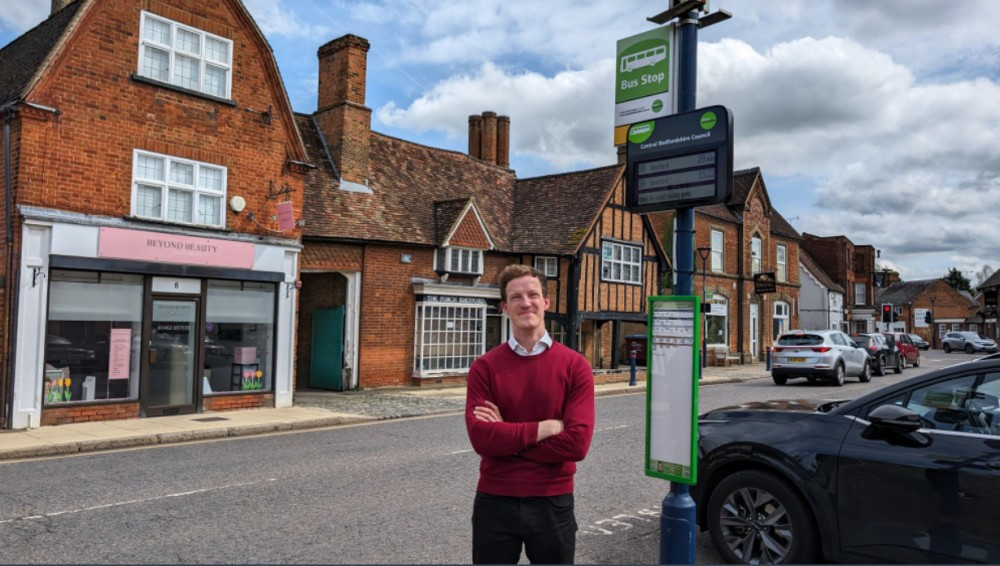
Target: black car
[909,473]
[881,352]
[919,342]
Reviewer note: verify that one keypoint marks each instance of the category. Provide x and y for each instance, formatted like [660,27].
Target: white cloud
[276,18]
[564,120]
[18,16]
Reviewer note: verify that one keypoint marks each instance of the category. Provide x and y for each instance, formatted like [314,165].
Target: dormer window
[185,57]
[465,261]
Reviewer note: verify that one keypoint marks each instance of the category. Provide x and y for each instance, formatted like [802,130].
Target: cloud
[275,19]
[564,120]
[18,16]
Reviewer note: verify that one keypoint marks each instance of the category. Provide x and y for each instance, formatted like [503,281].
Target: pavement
[312,408]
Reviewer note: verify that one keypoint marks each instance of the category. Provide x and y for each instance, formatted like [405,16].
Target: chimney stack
[489,138]
[341,112]
[59,5]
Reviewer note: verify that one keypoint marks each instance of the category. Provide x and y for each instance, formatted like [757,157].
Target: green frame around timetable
[681,472]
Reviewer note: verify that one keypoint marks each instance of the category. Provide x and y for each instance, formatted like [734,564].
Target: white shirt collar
[544,343]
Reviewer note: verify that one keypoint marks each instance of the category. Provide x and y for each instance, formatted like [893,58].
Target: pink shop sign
[170,248]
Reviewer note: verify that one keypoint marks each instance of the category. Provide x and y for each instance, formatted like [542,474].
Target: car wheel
[755,517]
[880,365]
[838,378]
[900,363]
[969,349]
[779,379]
[866,373]
[947,349]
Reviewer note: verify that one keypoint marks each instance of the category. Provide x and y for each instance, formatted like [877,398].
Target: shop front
[117,322]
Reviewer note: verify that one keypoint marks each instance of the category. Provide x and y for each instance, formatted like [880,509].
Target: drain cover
[210,419]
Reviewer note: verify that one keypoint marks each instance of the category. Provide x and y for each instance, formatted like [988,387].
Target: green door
[326,362]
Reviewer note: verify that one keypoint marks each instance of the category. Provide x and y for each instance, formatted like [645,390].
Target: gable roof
[732,209]
[552,214]
[903,292]
[23,59]
[814,268]
[991,281]
[464,226]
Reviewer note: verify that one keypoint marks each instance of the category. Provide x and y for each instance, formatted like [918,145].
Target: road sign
[674,332]
[644,74]
[680,161]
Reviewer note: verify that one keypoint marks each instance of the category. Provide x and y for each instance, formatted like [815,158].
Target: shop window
[177,190]
[547,265]
[449,337]
[621,263]
[717,321]
[239,336]
[92,337]
[185,57]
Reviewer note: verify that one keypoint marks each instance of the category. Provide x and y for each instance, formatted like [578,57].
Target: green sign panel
[643,76]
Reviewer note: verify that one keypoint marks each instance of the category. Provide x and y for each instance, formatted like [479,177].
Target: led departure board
[679,161]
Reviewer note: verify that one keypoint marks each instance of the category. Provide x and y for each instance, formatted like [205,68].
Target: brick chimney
[59,5]
[341,112]
[489,138]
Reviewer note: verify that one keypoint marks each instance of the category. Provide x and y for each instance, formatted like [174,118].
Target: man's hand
[489,413]
[549,428]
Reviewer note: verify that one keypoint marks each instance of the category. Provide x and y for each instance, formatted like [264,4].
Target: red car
[910,353]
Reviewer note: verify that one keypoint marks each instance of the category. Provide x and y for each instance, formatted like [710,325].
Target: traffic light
[887,312]
[928,317]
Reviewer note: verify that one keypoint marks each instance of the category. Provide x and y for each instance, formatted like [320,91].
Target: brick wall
[320,290]
[470,233]
[84,413]
[235,402]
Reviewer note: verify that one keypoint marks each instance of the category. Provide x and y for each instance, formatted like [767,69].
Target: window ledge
[205,227]
[141,79]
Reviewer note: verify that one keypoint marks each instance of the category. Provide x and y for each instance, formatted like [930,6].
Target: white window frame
[718,251]
[721,306]
[166,186]
[173,51]
[621,263]
[549,265]
[955,327]
[448,337]
[470,258]
[756,255]
[862,296]
[899,311]
[781,266]
[782,311]
[973,327]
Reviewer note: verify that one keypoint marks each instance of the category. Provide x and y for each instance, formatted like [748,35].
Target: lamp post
[703,253]
[933,324]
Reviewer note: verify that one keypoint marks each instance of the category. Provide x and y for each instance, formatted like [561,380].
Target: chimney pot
[503,141]
[475,134]
[488,147]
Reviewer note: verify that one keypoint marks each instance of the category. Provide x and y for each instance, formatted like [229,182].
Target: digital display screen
[676,178]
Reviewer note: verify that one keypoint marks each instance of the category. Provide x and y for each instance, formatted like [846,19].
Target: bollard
[768,359]
[631,359]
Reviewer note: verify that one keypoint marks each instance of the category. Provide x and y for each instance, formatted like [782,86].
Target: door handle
[152,355]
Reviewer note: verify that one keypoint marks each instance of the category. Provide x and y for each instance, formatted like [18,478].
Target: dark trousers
[546,526]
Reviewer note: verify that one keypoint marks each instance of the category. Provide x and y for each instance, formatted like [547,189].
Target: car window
[864,340]
[905,339]
[965,404]
[800,340]
[838,339]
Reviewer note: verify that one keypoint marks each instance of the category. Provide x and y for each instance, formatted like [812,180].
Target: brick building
[852,267]
[989,291]
[403,244]
[743,238]
[146,147]
[951,310]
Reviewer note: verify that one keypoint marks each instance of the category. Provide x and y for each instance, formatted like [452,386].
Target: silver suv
[970,342]
[818,354]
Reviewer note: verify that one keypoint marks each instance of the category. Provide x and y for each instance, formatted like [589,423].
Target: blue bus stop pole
[678,516]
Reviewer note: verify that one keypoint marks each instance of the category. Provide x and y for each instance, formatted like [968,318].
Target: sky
[876,120]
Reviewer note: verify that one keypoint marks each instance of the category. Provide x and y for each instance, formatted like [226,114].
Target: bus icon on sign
[645,58]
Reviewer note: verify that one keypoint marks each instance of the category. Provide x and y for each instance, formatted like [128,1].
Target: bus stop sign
[680,161]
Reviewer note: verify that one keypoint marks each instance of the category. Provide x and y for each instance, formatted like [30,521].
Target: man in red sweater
[530,416]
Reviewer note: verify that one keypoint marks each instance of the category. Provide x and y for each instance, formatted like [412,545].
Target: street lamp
[703,253]
[933,324]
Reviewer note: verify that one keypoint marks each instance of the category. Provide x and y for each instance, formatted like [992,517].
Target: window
[781,272]
[860,295]
[716,321]
[547,265]
[956,327]
[974,328]
[556,330]
[177,190]
[755,255]
[239,336]
[92,337]
[449,336]
[899,311]
[780,320]
[621,263]
[965,404]
[459,260]
[718,244]
[186,57]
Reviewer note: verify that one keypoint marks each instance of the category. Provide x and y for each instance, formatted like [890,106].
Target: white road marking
[620,522]
[459,452]
[133,501]
[611,428]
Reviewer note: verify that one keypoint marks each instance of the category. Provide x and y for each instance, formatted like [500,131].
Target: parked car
[909,473]
[909,354]
[880,354]
[919,342]
[818,354]
[969,342]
